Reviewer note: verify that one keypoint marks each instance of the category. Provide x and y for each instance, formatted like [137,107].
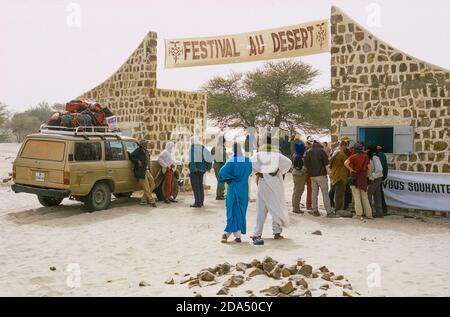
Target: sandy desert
[116,249]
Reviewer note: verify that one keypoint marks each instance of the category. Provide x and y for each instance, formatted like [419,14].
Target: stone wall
[131,93]
[374,84]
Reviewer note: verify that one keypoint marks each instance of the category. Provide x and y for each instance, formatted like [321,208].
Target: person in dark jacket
[200,161]
[141,159]
[383,159]
[316,161]
[308,145]
[298,176]
[285,146]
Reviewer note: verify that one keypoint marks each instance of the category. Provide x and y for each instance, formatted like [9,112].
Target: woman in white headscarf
[168,164]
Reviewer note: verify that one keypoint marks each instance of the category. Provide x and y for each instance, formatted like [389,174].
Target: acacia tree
[22,124]
[29,121]
[4,114]
[229,103]
[275,95]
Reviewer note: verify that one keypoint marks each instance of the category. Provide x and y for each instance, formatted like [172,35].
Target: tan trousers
[299,178]
[148,185]
[320,182]
[361,201]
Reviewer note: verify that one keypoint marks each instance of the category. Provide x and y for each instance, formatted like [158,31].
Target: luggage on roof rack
[82,113]
[80,130]
[76,106]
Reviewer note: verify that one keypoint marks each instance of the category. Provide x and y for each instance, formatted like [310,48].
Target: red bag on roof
[99,118]
[76,106]
[95,107]
[55,119]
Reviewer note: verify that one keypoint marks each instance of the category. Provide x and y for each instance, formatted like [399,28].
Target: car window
[130,146]
[43,150]
[88,151]
[114,151]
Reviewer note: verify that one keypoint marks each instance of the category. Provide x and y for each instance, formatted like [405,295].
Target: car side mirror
[71,158]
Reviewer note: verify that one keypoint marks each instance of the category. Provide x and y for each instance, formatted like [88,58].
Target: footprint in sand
[42,280]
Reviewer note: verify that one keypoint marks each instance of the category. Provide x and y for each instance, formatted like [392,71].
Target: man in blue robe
[235,173]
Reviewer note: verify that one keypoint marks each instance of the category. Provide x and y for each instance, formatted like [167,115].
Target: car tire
[99,198]
[49,201]
[159,191]
[123,195]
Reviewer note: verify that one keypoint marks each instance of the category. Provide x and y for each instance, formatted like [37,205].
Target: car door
[133,183]
[117,165]
[86,166]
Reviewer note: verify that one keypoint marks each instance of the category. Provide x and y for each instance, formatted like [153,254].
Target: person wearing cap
[316,162]
[348,150]
[348,193]
[296,142]
[359,166]
[141,160]
[339,175]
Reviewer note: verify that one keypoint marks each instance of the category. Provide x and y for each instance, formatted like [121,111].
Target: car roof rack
[82,131]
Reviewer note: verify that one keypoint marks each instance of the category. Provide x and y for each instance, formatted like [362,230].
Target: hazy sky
[43,57]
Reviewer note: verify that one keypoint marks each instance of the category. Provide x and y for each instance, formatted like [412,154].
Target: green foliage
[42,112]
[275,95]
[4,115]
[229,103]
[22,124]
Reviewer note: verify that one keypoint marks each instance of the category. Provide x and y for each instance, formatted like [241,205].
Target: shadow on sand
[57,216]
[247,247]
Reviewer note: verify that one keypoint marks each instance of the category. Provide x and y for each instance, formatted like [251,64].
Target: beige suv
[84,168]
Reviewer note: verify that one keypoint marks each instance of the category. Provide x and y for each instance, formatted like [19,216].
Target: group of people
[356,177]
[142,166]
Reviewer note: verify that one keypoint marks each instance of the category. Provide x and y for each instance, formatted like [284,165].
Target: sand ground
[117,248]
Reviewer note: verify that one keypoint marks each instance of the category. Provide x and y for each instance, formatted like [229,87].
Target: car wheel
[99,198]
[123,195]
[49,201]
[159,191]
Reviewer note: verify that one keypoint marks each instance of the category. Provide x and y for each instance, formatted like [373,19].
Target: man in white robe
[270,166]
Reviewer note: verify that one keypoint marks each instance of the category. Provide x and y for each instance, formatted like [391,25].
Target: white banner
[423,191]
[289,41]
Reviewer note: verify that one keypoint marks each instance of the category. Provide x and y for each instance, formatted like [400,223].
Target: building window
[377,136]
[395,139]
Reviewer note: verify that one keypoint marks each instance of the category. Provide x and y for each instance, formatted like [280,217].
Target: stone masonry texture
[154,114]
[374,84]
